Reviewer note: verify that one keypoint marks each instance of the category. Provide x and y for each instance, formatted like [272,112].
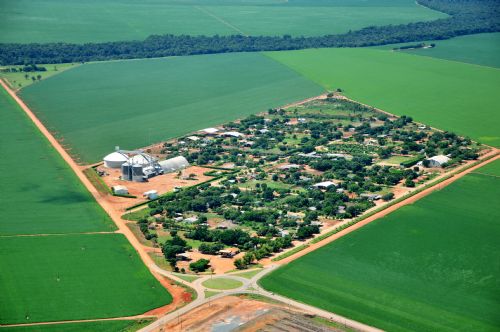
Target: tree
[239,264]
[387,197]
[201,265]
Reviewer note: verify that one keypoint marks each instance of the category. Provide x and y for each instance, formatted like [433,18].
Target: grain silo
[115,159]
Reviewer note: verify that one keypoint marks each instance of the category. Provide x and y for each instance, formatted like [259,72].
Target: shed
[120,190]
[438,161]
[151,194]
[229,252]
[174,164]
[324,185]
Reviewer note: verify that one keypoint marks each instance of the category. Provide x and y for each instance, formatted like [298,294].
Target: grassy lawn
[432,265]
[187,277]
[111,20]
[395,160]
[84,276]
[448,95]
[17,80]
[102,326]
[210,293]
[248,274]
[40,193]
[271,184]
[136,215]
[222,283]
[135,103]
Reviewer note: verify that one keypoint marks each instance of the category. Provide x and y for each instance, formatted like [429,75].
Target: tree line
[466,17]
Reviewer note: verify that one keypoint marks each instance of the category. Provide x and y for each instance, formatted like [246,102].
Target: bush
[200,265]
[388,197]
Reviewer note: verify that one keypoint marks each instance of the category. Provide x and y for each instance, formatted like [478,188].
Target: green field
[429,266]
[448,95]
[101,326]
[25,21]
[135,103]
[68,276]
[481,49]
[40,193]
[52,278]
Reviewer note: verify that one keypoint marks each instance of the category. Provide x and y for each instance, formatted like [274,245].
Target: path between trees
[250,286]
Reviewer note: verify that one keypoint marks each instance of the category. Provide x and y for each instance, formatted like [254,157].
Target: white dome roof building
[174,164]
[115,160]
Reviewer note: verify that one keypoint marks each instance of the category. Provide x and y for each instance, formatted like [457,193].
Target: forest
[466,17]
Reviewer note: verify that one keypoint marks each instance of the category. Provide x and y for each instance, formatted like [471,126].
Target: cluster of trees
[466,17]
[26,69]
[172,247]
[144,227]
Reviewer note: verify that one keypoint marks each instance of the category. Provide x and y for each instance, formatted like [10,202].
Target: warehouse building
[174,164]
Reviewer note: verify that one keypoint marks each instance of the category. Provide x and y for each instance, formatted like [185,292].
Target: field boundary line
[486,174]
[235,28]
[348,227]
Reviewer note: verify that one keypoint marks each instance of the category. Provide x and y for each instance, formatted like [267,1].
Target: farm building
[232,134]
[120,190]
[229,253]
[324,185]
[174,164]
[209,131]
[151,194]
[438,161]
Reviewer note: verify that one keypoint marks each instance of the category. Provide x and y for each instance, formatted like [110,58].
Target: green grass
[248,274]
[40,193]
[481,49]
[290,252]
[210,293]
[17,80]
[101,326]
[445,94]
[27,21]
[222,283]
[135,103]
[186,277]
[395,160]
[69,277]
[428,266]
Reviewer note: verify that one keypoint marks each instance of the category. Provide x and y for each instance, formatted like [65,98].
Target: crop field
[40,193]
[428,266]
[100,326]
[111,20]
[448,95]
[135,103]
[481,49]
[84,276]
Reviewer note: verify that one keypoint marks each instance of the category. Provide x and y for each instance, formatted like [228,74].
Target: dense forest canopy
[466,17]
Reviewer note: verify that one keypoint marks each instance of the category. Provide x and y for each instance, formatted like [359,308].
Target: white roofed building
[174,164]
[324,185]
[438,161]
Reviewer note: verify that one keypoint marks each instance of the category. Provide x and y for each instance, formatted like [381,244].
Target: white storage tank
[115,160]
